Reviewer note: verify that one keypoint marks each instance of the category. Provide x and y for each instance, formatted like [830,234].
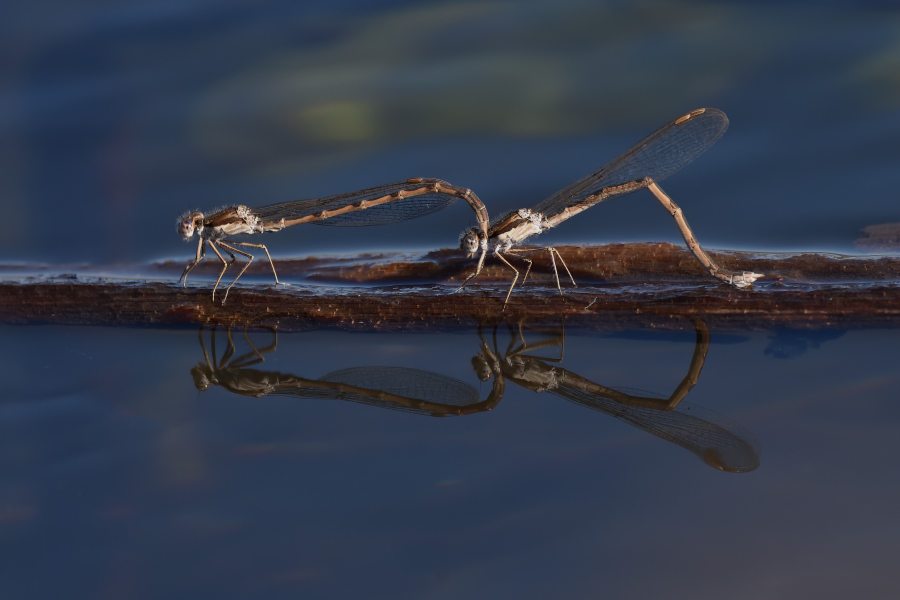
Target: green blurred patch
[454,69]
[346,121]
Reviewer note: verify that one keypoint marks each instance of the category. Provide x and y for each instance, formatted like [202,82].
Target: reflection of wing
[719,441]
[657,156]
[387,208]
[397,388]
[412,383]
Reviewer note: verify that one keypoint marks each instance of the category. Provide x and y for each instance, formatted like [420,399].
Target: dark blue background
[117,117]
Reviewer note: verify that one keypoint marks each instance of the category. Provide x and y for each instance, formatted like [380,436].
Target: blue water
[122,479]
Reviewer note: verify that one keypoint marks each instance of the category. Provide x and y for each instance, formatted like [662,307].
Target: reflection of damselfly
[718,441]
[650,161]
[397,388]
[380,205]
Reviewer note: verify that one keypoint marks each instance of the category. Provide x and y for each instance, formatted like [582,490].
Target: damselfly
[395,388]
[380,205]
[643,166]
[718,441]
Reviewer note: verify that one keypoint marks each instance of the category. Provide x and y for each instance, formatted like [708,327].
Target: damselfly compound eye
[187,224]
[469,242]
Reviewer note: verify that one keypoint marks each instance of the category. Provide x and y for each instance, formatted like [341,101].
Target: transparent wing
[401,388]
[387,206]
[657,156]
[717,440]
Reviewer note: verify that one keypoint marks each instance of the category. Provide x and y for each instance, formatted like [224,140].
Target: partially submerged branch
[622,285]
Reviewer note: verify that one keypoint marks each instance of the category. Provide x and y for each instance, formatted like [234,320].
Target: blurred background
[116,117]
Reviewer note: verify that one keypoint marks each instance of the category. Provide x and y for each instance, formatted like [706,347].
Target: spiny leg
[553,340]
[269,256]
[246,359]
[203,346]
[511,349]
[225,264]
[212,342]
[254,355]
[270,348]
[231,254]
[230,349]
[555,272]
[508,264]
[737,279]
[519,252]
[562,341]
[242,253]
[475,274]
[552,251]
[527,270]
[521,332]
[201,253]
[566,267]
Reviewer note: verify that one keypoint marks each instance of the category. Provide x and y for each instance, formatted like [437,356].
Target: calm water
[122,479]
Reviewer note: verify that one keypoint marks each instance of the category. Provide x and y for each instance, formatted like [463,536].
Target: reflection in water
[397,388]
[791,343]
[720,442]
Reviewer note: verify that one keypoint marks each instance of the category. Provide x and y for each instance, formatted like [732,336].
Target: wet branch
[619,286]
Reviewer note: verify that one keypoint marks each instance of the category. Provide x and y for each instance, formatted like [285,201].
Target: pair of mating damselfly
[648,162]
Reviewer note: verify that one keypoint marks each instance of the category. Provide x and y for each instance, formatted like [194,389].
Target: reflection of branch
[396,388]
[718,441]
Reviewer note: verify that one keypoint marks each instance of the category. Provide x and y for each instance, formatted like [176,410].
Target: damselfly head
[188,223]
[201,378]
[482,367]
[470,241]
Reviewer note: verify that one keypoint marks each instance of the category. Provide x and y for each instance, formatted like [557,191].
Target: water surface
[125,480]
